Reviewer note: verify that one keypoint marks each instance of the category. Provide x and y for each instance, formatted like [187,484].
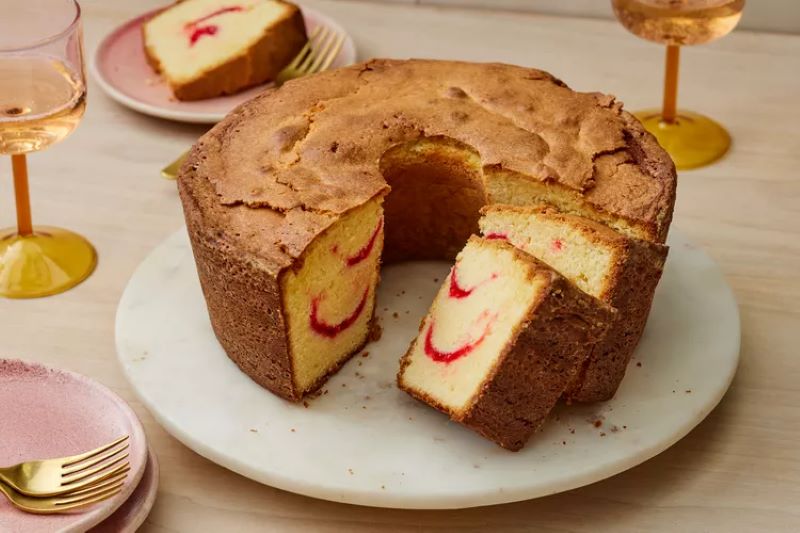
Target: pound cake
[207,48]
[310,177]
[618,270]
[504,337]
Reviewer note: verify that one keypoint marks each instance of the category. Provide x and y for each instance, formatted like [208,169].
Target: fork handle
[6,490]
[6,477]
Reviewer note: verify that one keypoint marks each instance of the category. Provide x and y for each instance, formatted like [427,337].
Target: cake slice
[503,339]
[622,271]
[207,48]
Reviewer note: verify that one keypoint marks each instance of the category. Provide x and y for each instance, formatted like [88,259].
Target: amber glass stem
[19,166]
[668,111]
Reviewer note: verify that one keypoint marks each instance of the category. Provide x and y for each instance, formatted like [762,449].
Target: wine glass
[42,99]
[693,140]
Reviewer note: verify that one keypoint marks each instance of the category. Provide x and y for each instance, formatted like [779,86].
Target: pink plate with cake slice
[121,69]
[55,413]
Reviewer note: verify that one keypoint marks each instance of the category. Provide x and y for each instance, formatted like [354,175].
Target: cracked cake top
[285,165]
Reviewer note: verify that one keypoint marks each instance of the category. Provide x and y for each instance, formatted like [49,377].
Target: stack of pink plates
[47,413]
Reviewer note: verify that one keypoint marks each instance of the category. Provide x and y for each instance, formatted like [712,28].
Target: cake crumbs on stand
[602,434]
[375,330]
[305,404]
[639,363]
[350,471]
[688,391]
[395,315]
[313,395]
[253,430]
[293,430]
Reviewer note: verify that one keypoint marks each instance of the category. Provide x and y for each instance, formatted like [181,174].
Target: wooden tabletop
[738,471]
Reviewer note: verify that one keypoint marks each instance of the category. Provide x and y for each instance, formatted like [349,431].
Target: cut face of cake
[503,339]
[207,48]
[328,302]
[617,269]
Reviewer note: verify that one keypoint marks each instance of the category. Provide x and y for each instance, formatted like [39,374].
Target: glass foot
[50,261]
[692,141]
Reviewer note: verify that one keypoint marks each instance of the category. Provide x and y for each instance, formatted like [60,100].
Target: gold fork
[60,504]
[63,475]
[316,55]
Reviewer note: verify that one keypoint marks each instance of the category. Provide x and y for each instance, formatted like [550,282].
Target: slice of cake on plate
[621,271]
[207,48]
[503,339]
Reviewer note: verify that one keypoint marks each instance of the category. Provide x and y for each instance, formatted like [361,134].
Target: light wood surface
[759,15]
[738,471]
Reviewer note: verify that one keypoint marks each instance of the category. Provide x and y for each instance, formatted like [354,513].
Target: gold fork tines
[59,476]
[317,55]
[294,65]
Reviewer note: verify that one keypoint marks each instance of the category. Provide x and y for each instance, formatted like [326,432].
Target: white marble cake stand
[367,443]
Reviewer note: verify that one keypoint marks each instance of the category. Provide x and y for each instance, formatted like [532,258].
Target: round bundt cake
[294,199]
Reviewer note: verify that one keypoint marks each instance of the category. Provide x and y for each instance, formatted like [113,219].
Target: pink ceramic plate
[51,413]
[133,512]
[121,69]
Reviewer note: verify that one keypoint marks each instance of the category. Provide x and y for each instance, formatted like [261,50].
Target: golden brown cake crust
[545,353]
[258,64]
[631,292]
[243,300]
